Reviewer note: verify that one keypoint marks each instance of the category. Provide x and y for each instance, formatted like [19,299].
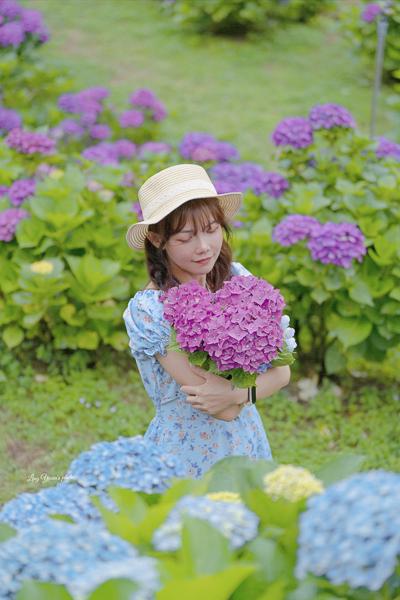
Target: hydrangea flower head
[229,177]
[125,148]
[12,34]
[326,116]
[370,12]
[31,143]
[239,325]
[225,497]
[293,131]
[31,20]
[144,97]
[350,533]
[100,131]
[42,267]
[104,153]
[292,483]
[387,148]
[97,93]
[131,118]
[10,9]
[136,208]
[293,228]
[9,119]
[68,127]
[234,521]
[336,243]
[9,219]
[130,463]
[269,183]
[20,190]
[79,556]
[159,111]
[194,140]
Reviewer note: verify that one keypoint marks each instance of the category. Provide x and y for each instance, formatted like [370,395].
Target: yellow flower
[43,267]
[56,174]
[225,497]
[292,483]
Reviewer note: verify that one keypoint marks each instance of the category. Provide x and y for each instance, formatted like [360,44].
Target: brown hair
[195,212]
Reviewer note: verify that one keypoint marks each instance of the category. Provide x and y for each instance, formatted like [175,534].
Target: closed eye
[209,231]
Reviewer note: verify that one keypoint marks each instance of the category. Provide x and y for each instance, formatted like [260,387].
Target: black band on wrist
[252,394]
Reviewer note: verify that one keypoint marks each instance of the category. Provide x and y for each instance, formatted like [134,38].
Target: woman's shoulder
[238,269]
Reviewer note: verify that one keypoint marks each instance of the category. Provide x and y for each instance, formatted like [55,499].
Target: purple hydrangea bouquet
[231,332]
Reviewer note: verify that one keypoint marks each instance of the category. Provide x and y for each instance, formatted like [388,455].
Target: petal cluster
[146,98]
[337,243]
[9,219]
[17,24]
[204,146]
[20,190]
[9,119]
[370,12]
[155,147]
[228,177]
[79,556]
[130,463]
[234,521]
[387,148]
[239,325]
[351,532]
[293,131]
[294,228]
[31,143]
[326,116]
[292,483]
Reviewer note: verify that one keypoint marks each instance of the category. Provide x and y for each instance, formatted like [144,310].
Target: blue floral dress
[178,428]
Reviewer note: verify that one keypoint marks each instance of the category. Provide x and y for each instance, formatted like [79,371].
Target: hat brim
[230,204]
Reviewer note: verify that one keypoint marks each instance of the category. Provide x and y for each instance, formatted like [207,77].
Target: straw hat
[171,187]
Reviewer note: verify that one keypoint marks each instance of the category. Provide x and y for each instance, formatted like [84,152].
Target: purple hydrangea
[293,228]
[387,148]
[31,20]
[104,153]
[44,169]
[20,190]
[128,180]
[155,147]
[370,12]
[86,103]
[68,127]
[125,148]
[159,111]
[31,143]
[229,177]
[211,148]
[239,325]
[10,9]
[4,189]
[269,183]
[131,118]
[70,103]
[12,34]
[9,119]
[9,219]
[326,116]
[100,131]
[144,97]
[136,208]
[293,131]
[97,93]
[88,118]
[336,243]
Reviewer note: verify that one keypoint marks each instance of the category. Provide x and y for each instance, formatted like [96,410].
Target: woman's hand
[213,396]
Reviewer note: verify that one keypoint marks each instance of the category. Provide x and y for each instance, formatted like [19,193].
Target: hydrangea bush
[240,17]
[331,239]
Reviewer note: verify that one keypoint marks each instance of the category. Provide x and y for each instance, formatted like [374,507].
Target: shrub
[239,17]
[343,204]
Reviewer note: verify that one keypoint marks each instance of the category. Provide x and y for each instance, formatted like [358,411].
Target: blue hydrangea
[234,521]
[351,532]
[132,463]
[80,557]
[64,498]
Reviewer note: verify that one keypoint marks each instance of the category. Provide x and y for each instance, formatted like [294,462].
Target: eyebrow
[191,230]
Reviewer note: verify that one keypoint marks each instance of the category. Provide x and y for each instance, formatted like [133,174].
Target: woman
[198,415]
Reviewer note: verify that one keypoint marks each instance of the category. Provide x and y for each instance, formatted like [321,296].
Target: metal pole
[382,27]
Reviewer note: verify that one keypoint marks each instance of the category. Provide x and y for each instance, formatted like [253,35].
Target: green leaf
[395,293]
[198,357]
[33,318]
[70,316]
[341,467]
[263,226]
[307,277]
[29,232]
[334,360]
[88,340]
[3,378]
[37,590]
[361,293]
[352,330]
[115,589]
[62,518]
[215,587]
[320,295]
[129,503]
[388,182]
[6,532]
[12,336]
[204,550]
[118,523]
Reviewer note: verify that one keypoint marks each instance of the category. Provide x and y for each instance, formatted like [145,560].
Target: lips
[205,260]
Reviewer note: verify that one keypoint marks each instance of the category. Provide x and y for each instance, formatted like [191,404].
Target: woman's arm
[178,366]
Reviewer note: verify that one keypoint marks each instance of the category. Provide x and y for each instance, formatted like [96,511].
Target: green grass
[236,89]
[43,426]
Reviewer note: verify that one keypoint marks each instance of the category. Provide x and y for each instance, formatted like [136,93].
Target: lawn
[237,90]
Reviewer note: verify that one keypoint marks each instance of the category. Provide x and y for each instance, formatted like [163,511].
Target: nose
[203,244]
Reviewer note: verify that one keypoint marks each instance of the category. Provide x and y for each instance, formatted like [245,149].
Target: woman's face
[184,249]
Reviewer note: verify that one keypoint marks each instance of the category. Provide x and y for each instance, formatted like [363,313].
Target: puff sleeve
[149,333]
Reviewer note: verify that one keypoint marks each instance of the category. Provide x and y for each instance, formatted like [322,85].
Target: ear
[153,237]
